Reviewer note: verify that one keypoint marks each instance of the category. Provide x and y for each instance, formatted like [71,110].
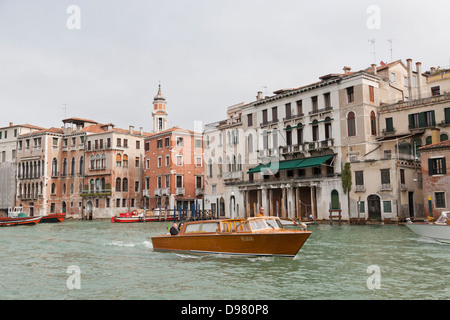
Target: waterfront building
[74,169]
[368,118]
[435,161]
[8,160]
[174,164]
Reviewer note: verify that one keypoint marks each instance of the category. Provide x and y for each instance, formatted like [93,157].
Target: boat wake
[120,244]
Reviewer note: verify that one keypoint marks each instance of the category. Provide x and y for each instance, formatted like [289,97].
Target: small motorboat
[438,230]
[17,221]
[256,236]
[53,217]
[139,216]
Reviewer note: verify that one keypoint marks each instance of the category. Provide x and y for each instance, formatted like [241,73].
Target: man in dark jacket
[174,230]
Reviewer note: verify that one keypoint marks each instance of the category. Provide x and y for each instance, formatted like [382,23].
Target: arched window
[265,140]
[53,188]
[373,124]
[71,189]
[81,165]
[416,144]
[428,140]
[91,184]
[64,189]
[72,167]
[250,143]
[103,184]
[288,130]
[125,185]
[228,164]
[328,134]
[118,160]
[209,172]
[103,161]
[92,161]
[54,167]
[351,126]
[315,130]
[125,161]
[275,138]
[444,137]
[64,168]
[219,167]
[239,162]
[299,133]
[97,162]
[118,184]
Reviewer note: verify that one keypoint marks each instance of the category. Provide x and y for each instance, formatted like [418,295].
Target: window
[118,184]
[209,169]
[359,178]
[179,141]
[119,142]
[315,130]
[125,143]
[392,76]
[422,119]
[314,104]
[350,95]
[159,164]
[327,100]
[371,94]
[274,114]
[299,108]
[389,125]
[125,161]
[159,143]
[288,110]
[198,143]
[373,124]
[136,186]
[351,128]
[147,146]
[250,119]
[387,206]
[435,91]
[198,161]
[264,116]
[167,160]
[125,185]
[385,177]
[179,160]
[328,134]
[167,180]
[179,181]
[447,115]
[436,166]
[250,143]
[439,199]
[405,81]
[198,182]
[167,142]
[402,176]
[299,134]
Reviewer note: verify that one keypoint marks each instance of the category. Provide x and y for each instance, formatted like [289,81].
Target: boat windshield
[443,218]
[206,227]
[273,223]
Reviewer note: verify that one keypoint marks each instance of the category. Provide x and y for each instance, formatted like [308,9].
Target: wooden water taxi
[139,216]
[257,236]
[53,217]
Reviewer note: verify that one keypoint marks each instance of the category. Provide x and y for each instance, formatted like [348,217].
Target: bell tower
[159,112]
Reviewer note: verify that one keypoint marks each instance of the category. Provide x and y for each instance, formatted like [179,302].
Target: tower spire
[159,112]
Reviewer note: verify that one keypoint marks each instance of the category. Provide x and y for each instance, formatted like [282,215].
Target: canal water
[103,260]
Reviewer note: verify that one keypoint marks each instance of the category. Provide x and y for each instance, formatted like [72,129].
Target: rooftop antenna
[372,41]
[390,42]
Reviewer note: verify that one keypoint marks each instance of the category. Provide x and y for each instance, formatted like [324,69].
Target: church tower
[159,112]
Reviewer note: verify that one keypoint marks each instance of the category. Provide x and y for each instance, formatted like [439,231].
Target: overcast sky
[208,54]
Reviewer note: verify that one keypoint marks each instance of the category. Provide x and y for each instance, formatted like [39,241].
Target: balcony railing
[179,191]
[323,110]
[96,193]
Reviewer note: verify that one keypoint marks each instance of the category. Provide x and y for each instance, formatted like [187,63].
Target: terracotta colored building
[435,163]
[173,174]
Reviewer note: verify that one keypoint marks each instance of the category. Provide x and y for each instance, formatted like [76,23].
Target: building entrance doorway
[374,206]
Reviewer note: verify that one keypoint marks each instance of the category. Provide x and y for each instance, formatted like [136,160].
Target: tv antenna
[372,41]
[390,42]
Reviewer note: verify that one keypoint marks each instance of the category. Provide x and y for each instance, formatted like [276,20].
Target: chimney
[374,68]
[435,135]
[11,124]
[409,66]
[141,131]
[347,69]
[419,78]
[259,96]
[131,129]
[432,70]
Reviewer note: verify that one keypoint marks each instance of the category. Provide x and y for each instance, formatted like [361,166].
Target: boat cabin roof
[253,224]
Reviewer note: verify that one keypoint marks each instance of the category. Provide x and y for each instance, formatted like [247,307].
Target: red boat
[9,222]
[54,217]
[139,216]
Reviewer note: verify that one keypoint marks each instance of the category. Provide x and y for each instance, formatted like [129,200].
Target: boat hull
[10,222]
[283,244]
[54,217]
[433,231]
[140,219]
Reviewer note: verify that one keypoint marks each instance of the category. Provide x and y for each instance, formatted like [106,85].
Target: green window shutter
[389,125]
[421,119]
[447,115]
[410,121]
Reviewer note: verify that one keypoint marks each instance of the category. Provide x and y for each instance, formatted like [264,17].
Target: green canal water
[117,261]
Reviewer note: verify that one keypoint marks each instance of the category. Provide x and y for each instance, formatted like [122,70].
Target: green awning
[292,164]
[313,162]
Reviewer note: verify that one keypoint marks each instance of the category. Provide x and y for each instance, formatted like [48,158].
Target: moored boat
[139,216]
[257,236]
[439,230]
[17,221]
[53,217]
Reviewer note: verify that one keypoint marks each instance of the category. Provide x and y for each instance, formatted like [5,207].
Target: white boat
[439,230]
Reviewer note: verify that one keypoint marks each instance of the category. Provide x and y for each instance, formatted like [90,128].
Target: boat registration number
[247,238]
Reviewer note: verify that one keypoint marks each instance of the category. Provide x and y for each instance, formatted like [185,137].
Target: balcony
[199,191]
[360,188]
[165,191]
[146,193]
[323,110]
[179,191]
[386,187]
[293,116]
[233,175]
[157,192]
[96,193]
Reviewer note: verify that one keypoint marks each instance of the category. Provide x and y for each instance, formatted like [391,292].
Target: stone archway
[374,207]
